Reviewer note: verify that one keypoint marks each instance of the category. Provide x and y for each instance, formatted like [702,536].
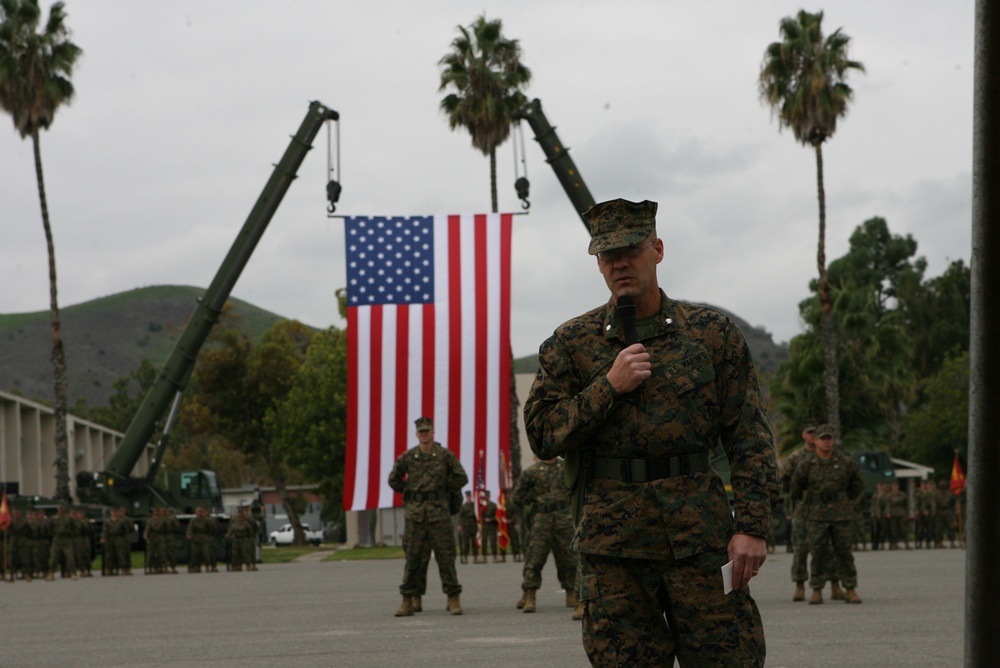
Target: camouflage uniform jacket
[833,484]
[416,474]
[798,509]
[703,391]
[202,527]
[541,487]
[898,504]
[490,515]
[467,516]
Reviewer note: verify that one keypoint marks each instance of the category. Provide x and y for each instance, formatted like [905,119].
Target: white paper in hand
[727,578]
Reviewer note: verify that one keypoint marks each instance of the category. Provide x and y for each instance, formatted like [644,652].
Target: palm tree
[803,80]
[34,81]
[485,69]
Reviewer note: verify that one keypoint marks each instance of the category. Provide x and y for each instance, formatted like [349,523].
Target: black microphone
[626,314]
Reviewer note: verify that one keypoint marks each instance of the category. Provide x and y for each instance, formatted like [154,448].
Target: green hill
[105,339]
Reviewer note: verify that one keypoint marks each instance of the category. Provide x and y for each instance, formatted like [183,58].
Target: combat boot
[571,600]
[851,596]
[800,591]
[496,559]
[252,567]
[578,612]
[72,576]
[406,608]
[817,597]
[418,605]
[238,567]
[520,601]
[49,577]
[454,604]
[529,600]
[836,593]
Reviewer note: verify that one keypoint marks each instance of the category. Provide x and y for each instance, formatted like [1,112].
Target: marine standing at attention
[426,475]
[636,401]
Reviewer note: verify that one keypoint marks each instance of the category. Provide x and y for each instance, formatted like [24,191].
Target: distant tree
[34,82]
[939,427]
[310,424]
[236,388]
[484,69]
[803,80]
[128,393]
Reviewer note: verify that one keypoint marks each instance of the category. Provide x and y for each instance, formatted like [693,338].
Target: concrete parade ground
[313,613]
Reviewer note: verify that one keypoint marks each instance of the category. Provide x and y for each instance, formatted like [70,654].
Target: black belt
[553,507]
[827,497]
[645,470]
[423,496]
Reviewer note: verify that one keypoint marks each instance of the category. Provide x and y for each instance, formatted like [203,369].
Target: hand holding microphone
[632,366]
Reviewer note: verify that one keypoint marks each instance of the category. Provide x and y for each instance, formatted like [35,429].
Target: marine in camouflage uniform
[833,482]
[637,423]
[115,535]
[425,475]
[20,548]
[153,534]
[926,501]
[947,513]
[83,536]
[898,516]
[875,512]
[799,512]
[40,538]
[202,532]
[62,528]
[241,532]
[490,528]
[469,527]
[542,486]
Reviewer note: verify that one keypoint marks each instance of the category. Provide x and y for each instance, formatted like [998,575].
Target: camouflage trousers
[832,542]
[468,537]
[490,539]
[554,535]
[62,549]
[821,565]
[243,551]
[202,551]
[420,539]
[640,612]
[81,552]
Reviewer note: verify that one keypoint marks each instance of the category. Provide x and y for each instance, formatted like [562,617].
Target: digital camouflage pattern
[428,521]
[62,528]
[622,596]
[242,532]
[619,223]
[490,527]
[541,486]
[703,391]
[659,545]
[470,528]
[115,536]
[800,537]
[833,485]
[898,514]
[202,532]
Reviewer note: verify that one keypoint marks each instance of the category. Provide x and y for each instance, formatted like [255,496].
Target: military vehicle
[185,491]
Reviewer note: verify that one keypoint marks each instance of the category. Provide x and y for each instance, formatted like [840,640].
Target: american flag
[428,334]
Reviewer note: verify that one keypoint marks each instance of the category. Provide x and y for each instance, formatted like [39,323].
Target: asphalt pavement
[340,614]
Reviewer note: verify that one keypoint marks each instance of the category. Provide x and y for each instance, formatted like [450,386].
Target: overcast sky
[182,107]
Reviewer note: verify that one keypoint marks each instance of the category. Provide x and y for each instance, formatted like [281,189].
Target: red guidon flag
[4,513]
[957,477]
[428,334]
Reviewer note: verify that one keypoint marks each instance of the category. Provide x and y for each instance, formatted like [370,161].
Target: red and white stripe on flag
[428,334]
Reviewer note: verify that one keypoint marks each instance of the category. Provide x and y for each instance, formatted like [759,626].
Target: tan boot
[418,605]
[578,612]
[817,597]
[454,604]
[463,560]
[571,600]
[520,602]
[836,593]
[496,559]
[851,596]
[800,591]
[406,608]
[49,577]
[529,600]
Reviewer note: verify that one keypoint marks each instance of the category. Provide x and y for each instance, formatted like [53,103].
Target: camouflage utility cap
[809,426]
[824,430]
[424,423]
[619,223]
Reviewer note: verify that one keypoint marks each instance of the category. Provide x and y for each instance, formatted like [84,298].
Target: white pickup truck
[285,534]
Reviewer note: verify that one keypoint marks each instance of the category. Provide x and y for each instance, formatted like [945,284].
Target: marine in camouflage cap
[825,430]
[424,423]
[618,223]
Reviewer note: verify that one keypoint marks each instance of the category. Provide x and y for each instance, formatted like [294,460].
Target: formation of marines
[42,547]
